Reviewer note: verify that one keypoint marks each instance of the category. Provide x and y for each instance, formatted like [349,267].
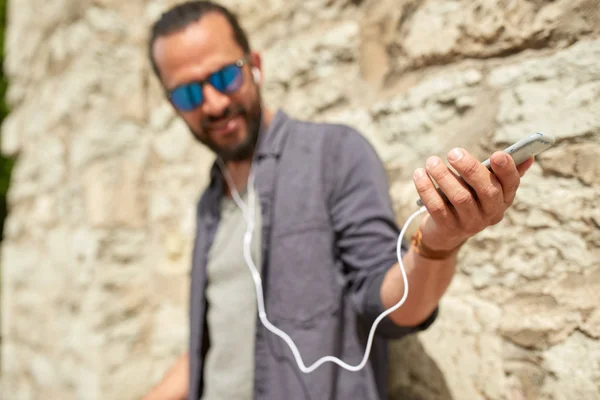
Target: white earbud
[256,75]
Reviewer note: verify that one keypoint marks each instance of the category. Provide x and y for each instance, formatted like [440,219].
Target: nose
[215,102]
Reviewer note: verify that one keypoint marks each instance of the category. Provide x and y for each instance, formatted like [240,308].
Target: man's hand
[174,385]
[478,202]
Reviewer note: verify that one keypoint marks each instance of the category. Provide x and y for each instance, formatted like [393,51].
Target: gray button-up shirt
[329,236]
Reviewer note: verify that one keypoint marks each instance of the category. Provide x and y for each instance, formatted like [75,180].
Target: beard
[240,151]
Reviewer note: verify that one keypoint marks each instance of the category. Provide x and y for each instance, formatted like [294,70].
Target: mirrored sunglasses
[191,95]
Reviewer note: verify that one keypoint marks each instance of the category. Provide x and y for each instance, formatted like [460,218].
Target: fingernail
[432,162]
[501,160]
[419,173]
[455,154]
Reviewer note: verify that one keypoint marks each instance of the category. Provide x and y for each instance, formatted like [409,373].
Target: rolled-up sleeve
[365,227]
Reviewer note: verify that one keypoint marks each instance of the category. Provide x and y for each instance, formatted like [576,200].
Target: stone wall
[97,255]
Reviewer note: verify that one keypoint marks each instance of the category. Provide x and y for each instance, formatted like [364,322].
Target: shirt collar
[270,140]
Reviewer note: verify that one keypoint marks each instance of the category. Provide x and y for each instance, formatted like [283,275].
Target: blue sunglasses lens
[187,97]
[227,80]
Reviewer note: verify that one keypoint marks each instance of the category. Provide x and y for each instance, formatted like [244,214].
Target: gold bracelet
[426,252]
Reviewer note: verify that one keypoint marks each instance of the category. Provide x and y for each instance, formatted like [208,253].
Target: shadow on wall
[413,374]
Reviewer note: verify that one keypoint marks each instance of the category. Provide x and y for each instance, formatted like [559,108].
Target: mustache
[229,112]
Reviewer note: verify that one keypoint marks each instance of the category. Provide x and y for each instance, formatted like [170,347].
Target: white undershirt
[231,314]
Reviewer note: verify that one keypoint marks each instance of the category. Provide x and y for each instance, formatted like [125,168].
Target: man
[324,238]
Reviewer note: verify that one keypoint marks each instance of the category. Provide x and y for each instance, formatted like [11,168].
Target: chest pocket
[303,275]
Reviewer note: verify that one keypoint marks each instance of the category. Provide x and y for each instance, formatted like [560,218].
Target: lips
[226,127]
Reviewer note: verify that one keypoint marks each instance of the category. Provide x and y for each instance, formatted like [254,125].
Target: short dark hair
[182,15]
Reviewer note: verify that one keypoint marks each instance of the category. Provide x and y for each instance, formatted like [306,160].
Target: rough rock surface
[97,255]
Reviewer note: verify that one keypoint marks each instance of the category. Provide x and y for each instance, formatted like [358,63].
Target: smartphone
[520,152]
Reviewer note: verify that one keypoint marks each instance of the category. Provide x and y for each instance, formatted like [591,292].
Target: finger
[507,174]
[436,206]
[457,192]
[525,165]
[485,185]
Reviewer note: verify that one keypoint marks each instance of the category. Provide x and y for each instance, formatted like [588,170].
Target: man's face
[228,123]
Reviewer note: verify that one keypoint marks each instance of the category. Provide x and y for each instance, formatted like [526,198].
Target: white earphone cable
[248,211]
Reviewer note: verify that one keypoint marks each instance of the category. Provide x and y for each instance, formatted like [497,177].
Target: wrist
[435,251]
